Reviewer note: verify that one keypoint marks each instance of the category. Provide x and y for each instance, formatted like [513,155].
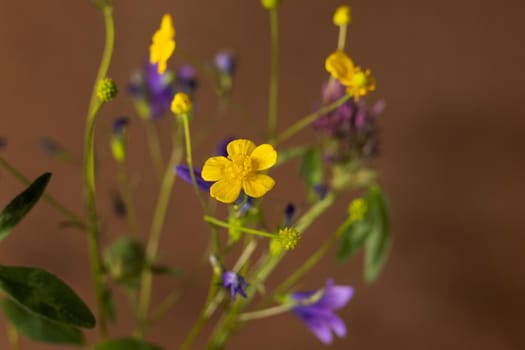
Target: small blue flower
[183,171]
[319,316]
[225,62]
[152,92]
[235,283]
[186,80]
[119,124]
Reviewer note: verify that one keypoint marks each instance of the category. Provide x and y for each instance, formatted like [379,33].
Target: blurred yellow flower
[362,83]
[342,15]
[340,66]
[181,103]
[240,171]
[163,44]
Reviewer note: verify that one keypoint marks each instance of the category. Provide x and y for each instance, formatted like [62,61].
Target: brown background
[452,160]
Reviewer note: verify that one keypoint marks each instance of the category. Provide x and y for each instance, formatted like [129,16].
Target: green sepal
[46,295]
[18,208]
[126,344]
[38,328]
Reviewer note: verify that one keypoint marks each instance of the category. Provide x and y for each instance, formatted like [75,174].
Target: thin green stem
[163,200]
[269,312]
[72,217]
[131,213]
[155,149]
[307,120]
[274,73]
[89,174]
[341,40]
[219,223]
[12,337]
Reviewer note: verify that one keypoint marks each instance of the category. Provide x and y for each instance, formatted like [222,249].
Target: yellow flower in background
[163,44]
[358,82]
[240,170]
[342,16]
[181,104]
[362,83]
[340,66]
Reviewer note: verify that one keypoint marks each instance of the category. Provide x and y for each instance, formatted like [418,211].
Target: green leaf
[46,295]
[126,344]
[353,239]
[377,244]
[17,209]
[38,328]
[312,169]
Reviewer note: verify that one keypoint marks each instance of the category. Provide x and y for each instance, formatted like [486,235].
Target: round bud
[181,104]
[289,238]
[107,90]
[270,4]
[342,16]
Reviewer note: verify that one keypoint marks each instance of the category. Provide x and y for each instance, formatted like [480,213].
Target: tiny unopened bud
[270,4]
[357,209]
[289,238]
[107,90]
[342,16]
[181,104]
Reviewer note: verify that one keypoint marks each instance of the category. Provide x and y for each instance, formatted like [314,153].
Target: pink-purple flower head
[319,314]
[235,284]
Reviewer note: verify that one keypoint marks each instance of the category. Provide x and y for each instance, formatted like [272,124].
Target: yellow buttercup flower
[163,44]
[340,66]
[342,15]
[361,83]
[240,170]
[181,104]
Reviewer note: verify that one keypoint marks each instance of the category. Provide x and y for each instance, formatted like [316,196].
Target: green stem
[163,200]
[12,337]
[341,40]
[131,213]
[219,223]
[274,73]
[89,174]
[307,120]
[72,217]
[155,150]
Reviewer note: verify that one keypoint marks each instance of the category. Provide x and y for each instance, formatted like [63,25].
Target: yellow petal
[213,168]
[340,66]
[166,26]
[263,157]
[257,185]
[226,191]
[240,147]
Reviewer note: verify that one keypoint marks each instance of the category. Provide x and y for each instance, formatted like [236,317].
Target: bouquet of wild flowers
[40,306]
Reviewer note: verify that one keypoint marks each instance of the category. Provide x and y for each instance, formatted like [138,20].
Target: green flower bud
[124,260]
[357,210]
[234,231]
[270,4]
[107,90]
[289,238]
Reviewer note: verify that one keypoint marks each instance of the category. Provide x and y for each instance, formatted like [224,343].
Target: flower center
[240,167]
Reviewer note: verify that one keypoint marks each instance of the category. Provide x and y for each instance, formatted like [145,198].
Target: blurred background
[452,155]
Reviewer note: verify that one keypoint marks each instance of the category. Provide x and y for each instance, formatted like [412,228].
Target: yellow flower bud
[270,4]
[107,90]
[181,104]
[340,66]
[342,16]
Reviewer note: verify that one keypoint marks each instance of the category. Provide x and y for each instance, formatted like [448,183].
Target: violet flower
[235,283]
[319,316]
[225,62]
[152,92]
[186,80]
[183,171]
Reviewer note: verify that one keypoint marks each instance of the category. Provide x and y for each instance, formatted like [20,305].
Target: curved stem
[131,213]
[274,73]
[307,120]
[89,174]
[72,217]
[163,200]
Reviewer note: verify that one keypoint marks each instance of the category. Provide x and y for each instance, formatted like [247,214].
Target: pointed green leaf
[17,209]
[353,239]
[377,244]
[126,344]
[46,295]
[38,328]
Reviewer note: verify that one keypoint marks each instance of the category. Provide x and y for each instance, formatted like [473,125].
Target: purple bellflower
[319,316]
[235,283]
[152,92]
[183,171]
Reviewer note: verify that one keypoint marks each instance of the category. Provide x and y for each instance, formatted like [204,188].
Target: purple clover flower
[235,283]
[152,92]
[352,125]
[319,316]
[183,171]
